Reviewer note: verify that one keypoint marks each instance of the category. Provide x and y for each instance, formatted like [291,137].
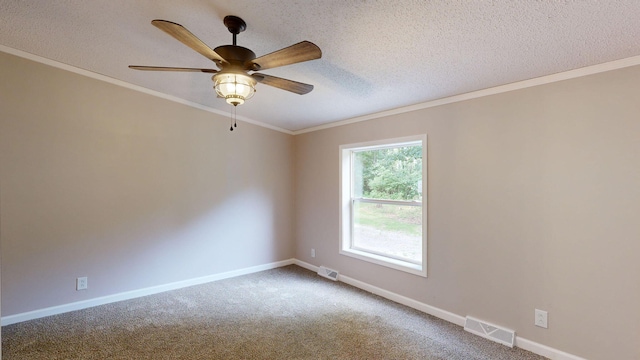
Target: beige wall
[533,202]
[128,189]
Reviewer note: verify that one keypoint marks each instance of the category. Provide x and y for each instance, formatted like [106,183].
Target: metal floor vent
[489,331]
[328,273]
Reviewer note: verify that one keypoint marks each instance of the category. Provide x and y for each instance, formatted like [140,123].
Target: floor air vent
[328,273]
[489,331]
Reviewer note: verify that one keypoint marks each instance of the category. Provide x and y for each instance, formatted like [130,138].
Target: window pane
[392,230]
[388,173]
[381,203]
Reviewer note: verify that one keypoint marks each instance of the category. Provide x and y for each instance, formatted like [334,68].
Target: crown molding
[110,80]
[547,79]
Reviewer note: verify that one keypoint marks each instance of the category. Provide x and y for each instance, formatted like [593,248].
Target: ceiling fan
[233,81]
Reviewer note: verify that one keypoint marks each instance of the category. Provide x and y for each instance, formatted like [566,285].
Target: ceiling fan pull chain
[233,118]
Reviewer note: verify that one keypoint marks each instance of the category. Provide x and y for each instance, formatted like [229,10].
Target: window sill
[385,261]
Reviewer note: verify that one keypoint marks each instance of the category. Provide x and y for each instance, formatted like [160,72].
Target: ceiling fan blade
[302,51]
[164,68]
[284,84]
[186,37]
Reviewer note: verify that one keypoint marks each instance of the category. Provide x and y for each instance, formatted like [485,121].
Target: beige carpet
[286,313]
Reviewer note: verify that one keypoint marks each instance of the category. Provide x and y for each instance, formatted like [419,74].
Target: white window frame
[347,200]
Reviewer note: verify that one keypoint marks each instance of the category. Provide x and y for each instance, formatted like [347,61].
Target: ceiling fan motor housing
[235,55]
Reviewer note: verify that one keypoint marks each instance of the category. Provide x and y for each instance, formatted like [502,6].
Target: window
[382,211]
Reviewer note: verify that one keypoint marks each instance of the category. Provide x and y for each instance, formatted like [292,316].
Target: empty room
[356,179]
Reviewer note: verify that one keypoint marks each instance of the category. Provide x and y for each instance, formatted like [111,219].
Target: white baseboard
[54,310]
[306,265]
[431,310]
[543,350]
[525,344]
[534,347]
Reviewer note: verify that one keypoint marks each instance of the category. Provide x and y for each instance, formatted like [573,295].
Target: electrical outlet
[82,283]
[313,253]
[541,319]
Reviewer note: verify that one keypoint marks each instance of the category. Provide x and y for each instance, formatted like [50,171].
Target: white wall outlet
[82,283]
[541,319]
[313,253]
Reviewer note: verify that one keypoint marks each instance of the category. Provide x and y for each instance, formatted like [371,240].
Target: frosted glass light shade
[235,88]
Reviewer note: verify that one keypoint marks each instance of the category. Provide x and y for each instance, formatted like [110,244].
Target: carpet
[284,313]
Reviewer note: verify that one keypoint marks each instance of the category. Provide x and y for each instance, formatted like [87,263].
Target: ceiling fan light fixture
[234,88]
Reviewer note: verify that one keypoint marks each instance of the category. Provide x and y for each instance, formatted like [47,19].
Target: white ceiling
[377,55]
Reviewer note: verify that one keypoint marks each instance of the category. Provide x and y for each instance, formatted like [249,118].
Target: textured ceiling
[377,55]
